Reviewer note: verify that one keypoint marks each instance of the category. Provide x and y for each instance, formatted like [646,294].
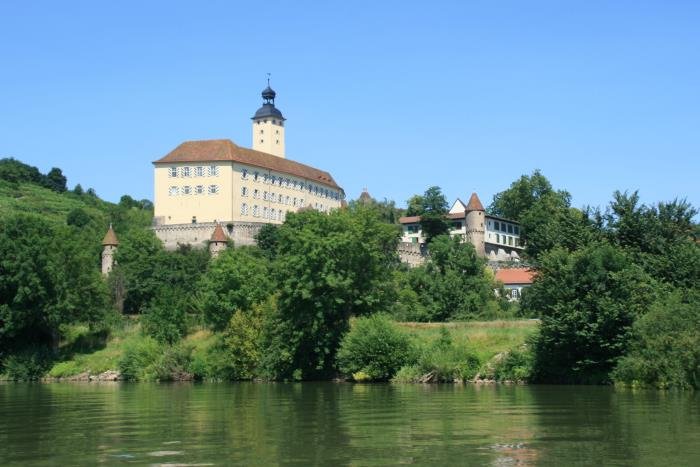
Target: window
[498,238]
[172,191]
[244,209]
[186,171]
[496,226]
[244,191]
[262,131]
[272,179]
[256,211]
[503,227]
[286,182]
[194,220]
[199,189]
[186,190]
[301,202]
[286,200]
[172,172]
[199,171]
[255,176]
[294,202]
[244,174]
[457,225]
[266,178]
[277,141]
[280,199]
[213,171]
[256,194]
[262,141]
[515,294]
[510,228]
[516,230]
[213,189]
[273,214]
[265,212]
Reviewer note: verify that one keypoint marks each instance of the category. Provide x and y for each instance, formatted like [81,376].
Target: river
[344,424]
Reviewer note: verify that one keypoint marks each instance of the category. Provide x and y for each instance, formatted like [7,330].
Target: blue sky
[394,96]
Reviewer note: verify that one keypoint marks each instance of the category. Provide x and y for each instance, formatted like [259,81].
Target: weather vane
[268,79]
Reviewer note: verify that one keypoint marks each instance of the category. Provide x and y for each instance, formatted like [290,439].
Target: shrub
[514,365]
[164,318]
[374,349]
[137,357]
[442,361]
[665,350]
[173,364]
[28,364]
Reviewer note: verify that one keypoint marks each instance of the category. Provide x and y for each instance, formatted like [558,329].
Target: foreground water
[344,424]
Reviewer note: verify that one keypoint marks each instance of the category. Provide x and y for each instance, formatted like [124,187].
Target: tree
[47,278]
[525,193]
[329,267]
[433,218]
[55,180]
[78,218]
[587,301]
[78,190]
[267,239]
[415,206]
[453,283]
[237,280]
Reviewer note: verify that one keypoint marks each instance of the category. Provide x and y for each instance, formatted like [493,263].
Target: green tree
[329,267]
[237,280]
[47,278]
[587,301]
[55,180]
[433,218]
[453,284]
[267,239]
[524,194]
[415,205]
[665,348]
[78,218]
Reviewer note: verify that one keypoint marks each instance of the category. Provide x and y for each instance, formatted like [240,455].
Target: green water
[344,424]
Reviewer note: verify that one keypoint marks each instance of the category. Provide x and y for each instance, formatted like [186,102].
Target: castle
[202,184]
[493,237]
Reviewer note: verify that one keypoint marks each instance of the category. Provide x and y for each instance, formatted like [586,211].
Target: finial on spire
[268,80]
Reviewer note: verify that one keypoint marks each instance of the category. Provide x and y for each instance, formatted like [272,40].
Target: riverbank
[126,353]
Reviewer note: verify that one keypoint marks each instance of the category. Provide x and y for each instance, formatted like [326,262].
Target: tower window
[262,132]
[278,141]
[261,141]
[172,172]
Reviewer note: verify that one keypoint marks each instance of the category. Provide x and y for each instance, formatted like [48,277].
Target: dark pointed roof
[474,204]
[365,197]
[110,238]
[219,235]
[268,108]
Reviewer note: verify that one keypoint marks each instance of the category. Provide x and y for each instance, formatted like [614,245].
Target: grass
[486,338]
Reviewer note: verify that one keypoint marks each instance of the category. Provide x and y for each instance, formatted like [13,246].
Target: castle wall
[198,235]
[413,254]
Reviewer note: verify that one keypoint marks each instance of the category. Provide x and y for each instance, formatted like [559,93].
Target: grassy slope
[488,338]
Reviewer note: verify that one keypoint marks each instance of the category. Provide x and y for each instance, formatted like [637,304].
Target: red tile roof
[474,204]
[218,235]
[515,275]
[110,237]
[225,150]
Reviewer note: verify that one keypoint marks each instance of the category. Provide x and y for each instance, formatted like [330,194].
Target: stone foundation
[198,235]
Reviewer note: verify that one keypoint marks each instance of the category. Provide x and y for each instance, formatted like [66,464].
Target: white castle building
[200,184]
[493,237]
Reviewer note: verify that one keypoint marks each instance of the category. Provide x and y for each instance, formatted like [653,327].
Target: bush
[28,364]
[442,361]
[514,365]
[173,364]
[374,349]
[164,318]
[137,357]
[665,352]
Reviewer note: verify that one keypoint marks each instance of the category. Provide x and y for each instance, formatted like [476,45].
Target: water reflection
[344,424]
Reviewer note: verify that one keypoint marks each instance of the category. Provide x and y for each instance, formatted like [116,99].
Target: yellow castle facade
[200,184]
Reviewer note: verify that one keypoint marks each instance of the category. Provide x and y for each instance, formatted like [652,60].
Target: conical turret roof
[474,204]
[110,238]
[219,235]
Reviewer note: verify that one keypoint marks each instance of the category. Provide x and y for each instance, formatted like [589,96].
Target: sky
[394,96]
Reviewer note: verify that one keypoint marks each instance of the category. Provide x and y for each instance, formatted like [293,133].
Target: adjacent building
[514,280]
[493,237]
[200,184]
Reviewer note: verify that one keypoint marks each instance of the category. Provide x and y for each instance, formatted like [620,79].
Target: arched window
[244,209]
